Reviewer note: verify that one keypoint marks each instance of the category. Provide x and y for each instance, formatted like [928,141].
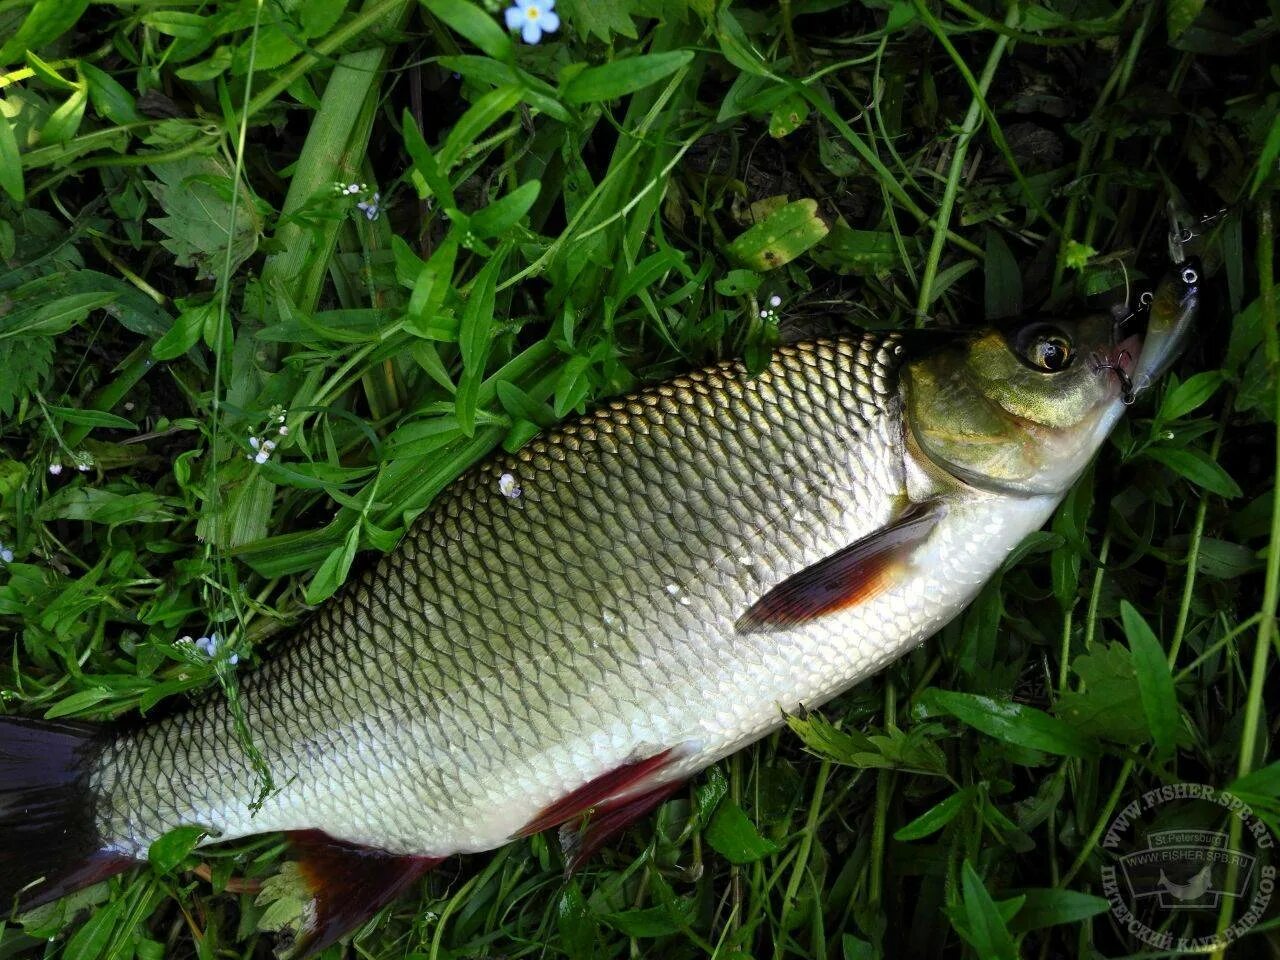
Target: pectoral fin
[846,578]
[346,885]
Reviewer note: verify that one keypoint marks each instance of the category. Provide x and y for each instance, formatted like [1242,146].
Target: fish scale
[514,648]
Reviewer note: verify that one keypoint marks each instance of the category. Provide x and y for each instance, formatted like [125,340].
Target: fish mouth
[1120,359]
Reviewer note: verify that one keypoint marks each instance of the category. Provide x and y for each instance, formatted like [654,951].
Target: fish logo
[1167,886]
[1192,890]
[1176,869]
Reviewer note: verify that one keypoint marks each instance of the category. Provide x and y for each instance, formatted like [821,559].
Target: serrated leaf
[1110,704]
[603,18]
[24,364]
[195,195]
[621,77]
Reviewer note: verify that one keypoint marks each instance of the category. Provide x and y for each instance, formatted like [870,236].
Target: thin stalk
[1118,82]
[332,149]
[802,857]
[884,787]
[1179,631]
[972,123]
[1271,587]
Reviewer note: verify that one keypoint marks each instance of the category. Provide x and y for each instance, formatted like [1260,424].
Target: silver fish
[585,624]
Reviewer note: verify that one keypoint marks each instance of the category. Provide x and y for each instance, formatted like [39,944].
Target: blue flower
[533,18]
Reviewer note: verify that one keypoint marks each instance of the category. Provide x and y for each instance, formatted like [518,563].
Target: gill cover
[1019,409]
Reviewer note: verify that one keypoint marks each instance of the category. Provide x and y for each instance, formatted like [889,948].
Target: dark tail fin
[49,844]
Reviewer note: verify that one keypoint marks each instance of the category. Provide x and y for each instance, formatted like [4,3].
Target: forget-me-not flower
[533,18]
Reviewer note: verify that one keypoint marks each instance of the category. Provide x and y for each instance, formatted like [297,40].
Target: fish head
[1019,408]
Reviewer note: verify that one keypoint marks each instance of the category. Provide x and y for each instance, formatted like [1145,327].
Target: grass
[182,266]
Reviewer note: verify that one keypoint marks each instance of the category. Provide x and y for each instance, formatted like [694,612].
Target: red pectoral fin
[348,884]
[853,575]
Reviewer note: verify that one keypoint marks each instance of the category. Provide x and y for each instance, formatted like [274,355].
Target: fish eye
[1044,347]
[1050,352]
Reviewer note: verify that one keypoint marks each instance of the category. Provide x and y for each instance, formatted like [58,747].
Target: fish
[572,631]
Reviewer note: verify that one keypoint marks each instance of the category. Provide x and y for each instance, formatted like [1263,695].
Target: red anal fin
[628,778]
[851,576]
[348,884]
[580,841]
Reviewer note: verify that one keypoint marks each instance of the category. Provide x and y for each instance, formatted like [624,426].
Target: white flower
[775,301]
[509,486]
[6,554]
[55,468]
[533,18]
[284,431]
[370,207]
[261,457]
[255,442]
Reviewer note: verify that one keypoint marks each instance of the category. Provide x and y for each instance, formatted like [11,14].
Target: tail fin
[49,844]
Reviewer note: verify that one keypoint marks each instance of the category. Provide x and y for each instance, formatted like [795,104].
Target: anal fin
[600,808]
[848,577]
[579,840]
[347,884]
